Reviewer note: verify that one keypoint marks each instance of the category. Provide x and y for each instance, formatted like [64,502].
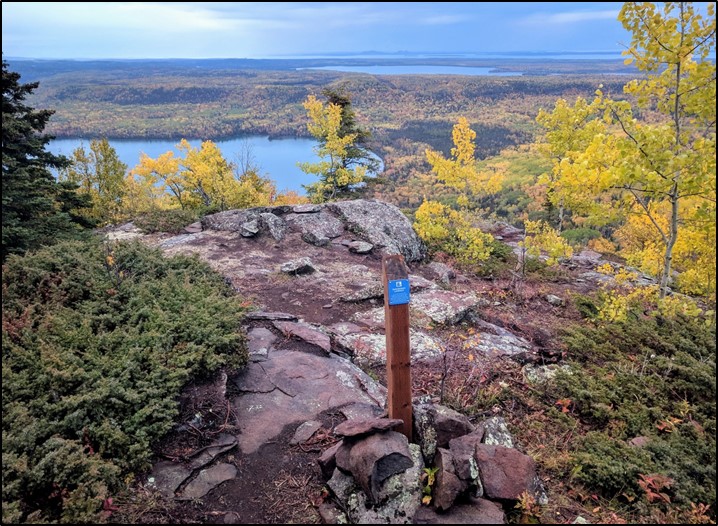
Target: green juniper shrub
[653,378]
[98,342]
[580,236]
[171,221]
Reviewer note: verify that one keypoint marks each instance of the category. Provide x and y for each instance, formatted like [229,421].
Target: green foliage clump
[580,236]
[97,344]
[653,377]
[172,220]
[36,209]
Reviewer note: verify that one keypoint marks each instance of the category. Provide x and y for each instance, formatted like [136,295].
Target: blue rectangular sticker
[398,291]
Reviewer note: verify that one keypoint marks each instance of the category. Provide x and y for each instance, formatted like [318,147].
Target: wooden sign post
[398,359]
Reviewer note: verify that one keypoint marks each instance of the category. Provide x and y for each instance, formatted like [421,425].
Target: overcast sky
[266,29]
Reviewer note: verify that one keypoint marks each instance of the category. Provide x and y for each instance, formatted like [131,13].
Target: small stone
[327,306]
[207,480]
[194,228]
[305,431]
[360,247]
[640,441]
[555,300]
[298,266]
[249,229]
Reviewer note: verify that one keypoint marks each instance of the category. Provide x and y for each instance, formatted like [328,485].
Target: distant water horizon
[418,70]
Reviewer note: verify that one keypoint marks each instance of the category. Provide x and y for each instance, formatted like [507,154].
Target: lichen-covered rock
[463,452]
[381,224]
[436,425]
[496,432]
[440,272]
[369,349]
[273,225]
[360,247]
[230,220]
[298,266]
[315,228]
[443,306]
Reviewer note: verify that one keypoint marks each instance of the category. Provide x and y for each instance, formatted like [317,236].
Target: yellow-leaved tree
[661,167]
[201,179]
[444,228]
[99,174]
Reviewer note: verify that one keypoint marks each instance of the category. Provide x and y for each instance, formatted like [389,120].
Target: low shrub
[655,378]
[97,343]
[171,221]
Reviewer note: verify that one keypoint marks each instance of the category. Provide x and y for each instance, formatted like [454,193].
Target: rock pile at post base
[376,476]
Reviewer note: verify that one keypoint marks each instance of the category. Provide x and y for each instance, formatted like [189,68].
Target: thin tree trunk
[672,237]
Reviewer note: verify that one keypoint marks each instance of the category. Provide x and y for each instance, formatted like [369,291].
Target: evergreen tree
[36,209]
[357,154]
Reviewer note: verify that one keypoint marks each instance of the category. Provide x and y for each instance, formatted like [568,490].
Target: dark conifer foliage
[36,209]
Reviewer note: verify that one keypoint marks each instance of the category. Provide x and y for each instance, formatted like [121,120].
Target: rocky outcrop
[372,224]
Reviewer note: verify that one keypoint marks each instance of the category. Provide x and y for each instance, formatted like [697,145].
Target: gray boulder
[381,224]
[298,266]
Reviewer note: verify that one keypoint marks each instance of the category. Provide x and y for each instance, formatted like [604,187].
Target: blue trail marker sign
[398,356]
[398,290]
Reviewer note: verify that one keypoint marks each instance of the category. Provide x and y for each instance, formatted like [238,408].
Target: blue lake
[420,70]
[276,158]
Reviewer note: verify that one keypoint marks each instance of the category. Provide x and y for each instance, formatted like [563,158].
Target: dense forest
[99,338]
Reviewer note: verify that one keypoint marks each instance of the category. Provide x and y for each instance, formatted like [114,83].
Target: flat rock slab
[167,476]
[307,384]
[480,511]
[270,316]
[494,345]
[366,426]
[305,431]
[259,342]
[443,306]
[361,410]
[306,332]
[224,443]
[207,480]
[370,349]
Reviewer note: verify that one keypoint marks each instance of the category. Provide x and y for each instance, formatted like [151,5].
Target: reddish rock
[505,472]
[366,426]
[375,458]
[327,460]
[448,486]
[449,424]
[305,332]
[480,511]
[639,441]
[341,457]
[463,450]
